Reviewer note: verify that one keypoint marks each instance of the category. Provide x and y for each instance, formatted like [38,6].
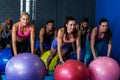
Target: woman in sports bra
[21,33]
[64,40]
[95,41]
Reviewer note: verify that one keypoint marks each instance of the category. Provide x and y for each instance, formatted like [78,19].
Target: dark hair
[67,19]
[10,20]
[50,21]
[103,20]
[108,33]
[84,19]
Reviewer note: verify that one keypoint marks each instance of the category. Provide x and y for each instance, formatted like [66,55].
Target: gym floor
[50,77]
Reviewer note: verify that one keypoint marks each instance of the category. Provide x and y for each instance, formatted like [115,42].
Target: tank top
[97,39]
[26,34]
[67,41]
[47,38]
[4,33]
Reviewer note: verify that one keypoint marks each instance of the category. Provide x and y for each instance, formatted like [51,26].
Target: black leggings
[4,42]
[22,46]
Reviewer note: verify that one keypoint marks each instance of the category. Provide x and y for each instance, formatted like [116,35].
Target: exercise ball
[73,55]
[5,55]
[47,46]
[37,44]
[25,66]
[71,70]
[53,62]
[104,68]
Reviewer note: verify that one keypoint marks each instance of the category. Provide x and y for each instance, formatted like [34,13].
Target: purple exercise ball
[25,66]
[104,68]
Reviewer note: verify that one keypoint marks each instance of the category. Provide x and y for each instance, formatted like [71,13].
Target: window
[28,6]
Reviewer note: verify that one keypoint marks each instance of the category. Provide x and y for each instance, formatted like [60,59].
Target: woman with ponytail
[66,36]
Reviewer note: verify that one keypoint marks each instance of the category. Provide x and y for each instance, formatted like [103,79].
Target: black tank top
[83,39]
[47,38]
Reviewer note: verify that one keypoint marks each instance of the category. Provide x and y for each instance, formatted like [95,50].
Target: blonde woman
[22,31]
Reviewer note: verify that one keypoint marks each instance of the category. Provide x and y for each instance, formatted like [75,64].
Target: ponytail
[108,35]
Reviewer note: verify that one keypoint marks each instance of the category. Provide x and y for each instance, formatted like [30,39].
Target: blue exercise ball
[25,66]
[5,56]
[74,55]
[45,45]
[37,44]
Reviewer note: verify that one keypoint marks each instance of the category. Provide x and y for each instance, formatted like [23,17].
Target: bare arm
[55,33]
[78,45]
[93,43]
[41,34]
[59,40]
[1,29]
[14,39]
[32,37]
[109,47]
